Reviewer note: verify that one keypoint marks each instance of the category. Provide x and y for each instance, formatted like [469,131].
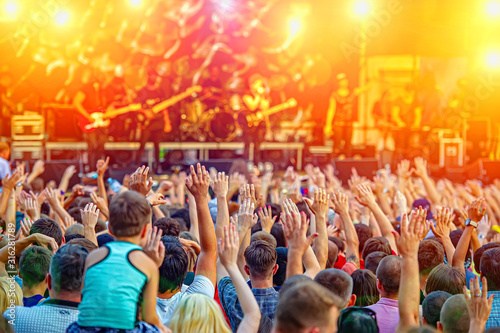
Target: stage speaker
[366,167]
[484,170]
[54,170]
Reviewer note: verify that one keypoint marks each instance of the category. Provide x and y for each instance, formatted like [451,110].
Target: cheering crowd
[246,252]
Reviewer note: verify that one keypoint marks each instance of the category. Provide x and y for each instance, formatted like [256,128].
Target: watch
[470,222]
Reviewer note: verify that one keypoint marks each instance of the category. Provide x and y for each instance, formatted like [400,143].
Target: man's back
[266,298]
[494,319]
[387,312]
[53,316]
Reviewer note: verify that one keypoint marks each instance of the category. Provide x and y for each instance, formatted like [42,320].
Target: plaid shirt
[266,298]
[494,319]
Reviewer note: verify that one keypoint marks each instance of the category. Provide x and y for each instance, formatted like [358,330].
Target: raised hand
[477,209]
[10,182]
[319,207]
[220,185]
[33,209]
[248,192]
[139,181]
[401,203]
[26,225]
[340,203]
[100,203]
[90,215]
[266,218]
[154,247]
[295,229]
[478,304]
[420,169]
[70,171]
[198,182]
[409,239]
[52,197]
[443,220]
[246,215]
[403,170]
[365,195]
[68,222]
[39,167]
[45,241]
[156,199]
[102,166]
[77,191]
[165,186]
[229,246]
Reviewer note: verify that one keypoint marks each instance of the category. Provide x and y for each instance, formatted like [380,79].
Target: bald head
[75,229]
[454,316]
[389,275]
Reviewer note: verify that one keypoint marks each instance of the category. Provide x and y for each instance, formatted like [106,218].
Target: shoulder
[202,285]
[142,262]
[225,283]
[96,256]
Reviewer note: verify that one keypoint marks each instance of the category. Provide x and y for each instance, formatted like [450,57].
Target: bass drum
[222,126]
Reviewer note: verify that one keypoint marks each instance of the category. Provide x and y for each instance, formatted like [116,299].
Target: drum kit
[217,124]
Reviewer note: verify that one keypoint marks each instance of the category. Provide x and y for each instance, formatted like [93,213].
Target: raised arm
[38,169]
[341,207]
[320,208]
[295,228]
[367,199]
[421,171]
[8,185]
[478,304]
[228,253]
[198,183]
[442,231]
[102,166]
[476,212]
[409,290]
[66,177]
[220,188]
[55,204]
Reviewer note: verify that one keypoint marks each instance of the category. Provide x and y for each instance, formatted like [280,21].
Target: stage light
[493,8]
[136,3]
[11,8]
[62,17]
[493,60]
[362,8]
[294,26]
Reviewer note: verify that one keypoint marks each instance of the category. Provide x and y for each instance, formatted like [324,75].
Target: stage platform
[202,149]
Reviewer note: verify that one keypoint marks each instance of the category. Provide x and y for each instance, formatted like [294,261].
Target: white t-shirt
[4,168]
[165,307]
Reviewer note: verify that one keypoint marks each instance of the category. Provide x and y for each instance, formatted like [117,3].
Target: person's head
[279,235]
[389,276]
[264,236]
[260,257]
[34,265]
[357,319]
[430,254]
[197,313]
[75,229]
[376,244]
[4,150]
[364,234]
[490,268]
[10,293]
[364,286]
[66,271]
[445,278]
[129,215]
[479,253]
[454,316]
[182,216]
[431,307]
[307,307]
[48,227]
[90,246]
[189,236]
[175,265]
[281,261]
[292,281]
[373,260]
[339,283]
[169,226]
[340,244]
[333,253]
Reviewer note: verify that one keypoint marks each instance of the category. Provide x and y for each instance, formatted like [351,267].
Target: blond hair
[7,294]
[198,313]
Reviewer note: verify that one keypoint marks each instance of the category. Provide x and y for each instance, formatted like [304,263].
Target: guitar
[101,118]
[175,99]
[248,119]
